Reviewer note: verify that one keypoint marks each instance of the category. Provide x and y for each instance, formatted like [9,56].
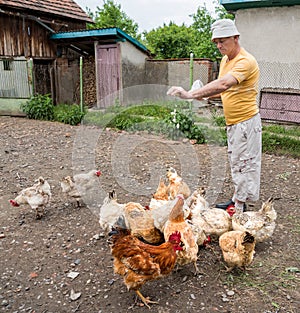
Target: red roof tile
[62,8]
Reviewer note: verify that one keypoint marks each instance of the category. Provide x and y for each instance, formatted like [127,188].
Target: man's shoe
[225,205]
[228,204]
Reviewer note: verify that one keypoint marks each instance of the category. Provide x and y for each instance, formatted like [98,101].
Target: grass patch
[159,118]
[283,130]
[280,144]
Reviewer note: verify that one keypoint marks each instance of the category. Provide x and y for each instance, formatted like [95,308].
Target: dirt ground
[62,262]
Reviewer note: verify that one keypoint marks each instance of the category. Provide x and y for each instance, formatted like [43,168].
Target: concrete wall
[272,35]
[133,73]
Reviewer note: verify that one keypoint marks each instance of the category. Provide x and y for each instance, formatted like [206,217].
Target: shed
[119,62]
[29,61]
[270,31]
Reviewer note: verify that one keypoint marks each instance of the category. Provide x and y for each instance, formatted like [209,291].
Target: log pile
[89,82]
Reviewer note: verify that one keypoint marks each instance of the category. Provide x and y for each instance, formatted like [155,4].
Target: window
[7,65]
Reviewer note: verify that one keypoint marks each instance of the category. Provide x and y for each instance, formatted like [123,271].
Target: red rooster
[139,262]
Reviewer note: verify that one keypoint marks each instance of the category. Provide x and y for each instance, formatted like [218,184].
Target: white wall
[272,35]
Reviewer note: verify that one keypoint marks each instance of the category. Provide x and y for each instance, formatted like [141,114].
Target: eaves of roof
[61,8]
[248,4]
[114,34]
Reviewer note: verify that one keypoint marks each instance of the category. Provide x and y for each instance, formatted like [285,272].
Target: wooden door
[108,75]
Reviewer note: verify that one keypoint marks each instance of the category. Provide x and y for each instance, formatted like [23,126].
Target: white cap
[223,28]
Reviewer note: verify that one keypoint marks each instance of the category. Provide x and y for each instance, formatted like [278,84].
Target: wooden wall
[22,36]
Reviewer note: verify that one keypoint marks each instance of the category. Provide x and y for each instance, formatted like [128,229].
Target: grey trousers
[244,154]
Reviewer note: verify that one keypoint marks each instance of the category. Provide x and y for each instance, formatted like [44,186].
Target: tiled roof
[62,8]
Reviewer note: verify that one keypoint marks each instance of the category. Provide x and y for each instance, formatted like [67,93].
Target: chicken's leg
[145,301]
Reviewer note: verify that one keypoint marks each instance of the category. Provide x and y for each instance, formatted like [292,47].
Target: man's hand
[179,92]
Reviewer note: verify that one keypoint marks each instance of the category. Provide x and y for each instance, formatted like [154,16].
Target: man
[237,83]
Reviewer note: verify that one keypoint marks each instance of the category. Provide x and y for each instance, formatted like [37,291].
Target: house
[270,31]
[29,61]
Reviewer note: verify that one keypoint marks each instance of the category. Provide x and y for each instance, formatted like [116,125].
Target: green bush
[184,126]
[39,107]
[68,114]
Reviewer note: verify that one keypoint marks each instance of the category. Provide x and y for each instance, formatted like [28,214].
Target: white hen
[37,196]
[80,184]
[261,224]
[110,212]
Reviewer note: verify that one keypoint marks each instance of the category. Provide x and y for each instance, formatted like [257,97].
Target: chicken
[161,195]
[80,184]
[160,212]
[176,222]
[212,221]
[238,248]
[110,211]
[141,224]
[139,262]
[261,224]
[177,185]
[37,196]
[162,191]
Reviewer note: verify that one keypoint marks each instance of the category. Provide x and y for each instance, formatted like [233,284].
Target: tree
[175,41]
[111,15]
[170,41]
[203,46]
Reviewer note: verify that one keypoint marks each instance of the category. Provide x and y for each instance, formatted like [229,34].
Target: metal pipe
[81,84]
[191,69]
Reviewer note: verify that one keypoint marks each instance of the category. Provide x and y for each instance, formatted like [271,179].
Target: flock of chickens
[148,241]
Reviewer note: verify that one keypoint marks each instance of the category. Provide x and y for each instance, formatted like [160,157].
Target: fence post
[81,84]
[191,69]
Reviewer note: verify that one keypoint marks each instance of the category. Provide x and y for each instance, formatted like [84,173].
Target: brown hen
[139,262]
[176,222]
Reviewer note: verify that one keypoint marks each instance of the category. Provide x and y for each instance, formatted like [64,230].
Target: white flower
[177,126]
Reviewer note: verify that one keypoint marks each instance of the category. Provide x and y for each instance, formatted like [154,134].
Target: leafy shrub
[218,120]
[183,125]
[68,114]
[39,107]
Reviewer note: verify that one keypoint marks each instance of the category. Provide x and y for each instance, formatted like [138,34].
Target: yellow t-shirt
[239,101]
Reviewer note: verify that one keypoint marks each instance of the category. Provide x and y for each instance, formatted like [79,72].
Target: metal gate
[15,78]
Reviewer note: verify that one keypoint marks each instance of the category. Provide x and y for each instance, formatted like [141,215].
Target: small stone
[193,296]
[74,295]
[230,293]
[96,237]
[2,236]
[72,275]
[4,302]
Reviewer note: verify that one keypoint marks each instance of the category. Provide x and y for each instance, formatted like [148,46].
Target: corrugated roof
[63,8]
[114,33]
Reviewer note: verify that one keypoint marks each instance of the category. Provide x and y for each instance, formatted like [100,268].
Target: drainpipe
[81,84]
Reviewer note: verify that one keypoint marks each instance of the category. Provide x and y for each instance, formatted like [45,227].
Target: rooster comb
[176,236]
